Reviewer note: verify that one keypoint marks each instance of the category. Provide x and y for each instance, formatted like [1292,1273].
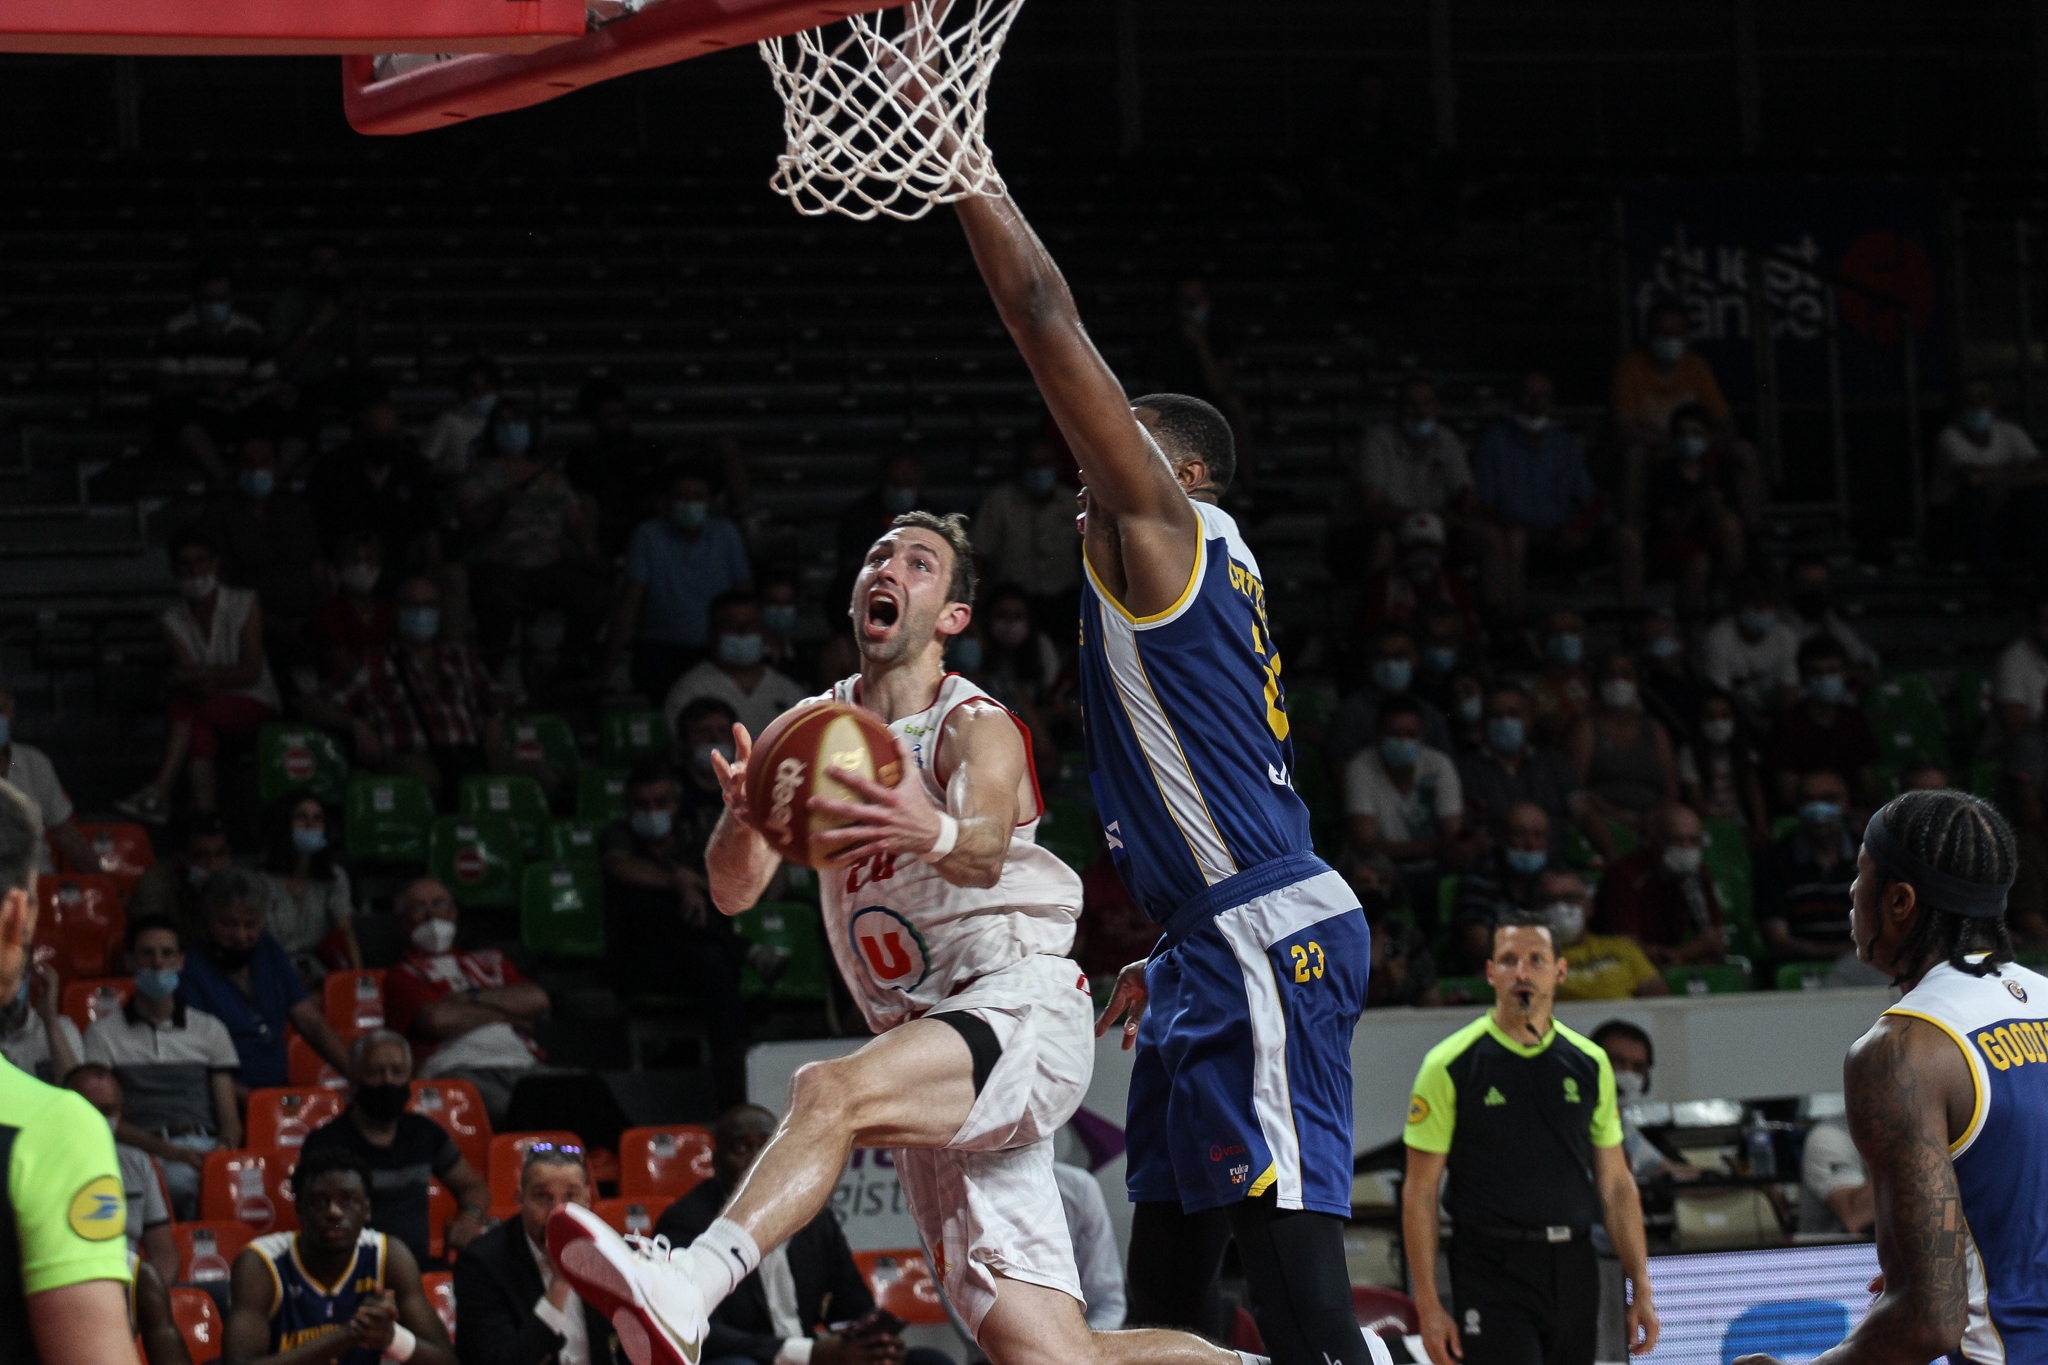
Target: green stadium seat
[600,795]
[561,909]
[572,841]
[518,798]
[1067,831]
[1908,720]
[626,737]
[1708,978]
[293,758]
[388,819]
[540,740]
[1802,976]
[790,925]
[478,856]
[1727,861]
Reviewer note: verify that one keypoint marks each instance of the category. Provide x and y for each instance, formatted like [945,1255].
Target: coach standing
[1522,1111]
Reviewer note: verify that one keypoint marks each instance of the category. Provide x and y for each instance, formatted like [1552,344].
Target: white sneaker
[649,1298]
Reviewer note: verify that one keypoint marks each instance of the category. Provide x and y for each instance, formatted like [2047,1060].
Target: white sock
[720,1258]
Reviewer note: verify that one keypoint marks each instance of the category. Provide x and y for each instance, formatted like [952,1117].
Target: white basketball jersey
[905,937]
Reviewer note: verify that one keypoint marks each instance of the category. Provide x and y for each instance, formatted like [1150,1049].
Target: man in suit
[808,1281]
[511,1307]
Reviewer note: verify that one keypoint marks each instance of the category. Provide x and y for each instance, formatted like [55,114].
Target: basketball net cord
[884,112]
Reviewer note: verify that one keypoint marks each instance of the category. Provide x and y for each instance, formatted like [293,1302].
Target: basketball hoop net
[884,114]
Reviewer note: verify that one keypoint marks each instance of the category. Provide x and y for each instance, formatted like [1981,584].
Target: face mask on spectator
[1756,620]
[433,935]
[309,841]
[1470,708]
[741,651]
[1439,660]
[1667,350]
[1039,479]
[691,516]
[1618,694]
[480,408]
[779,617]
[1566,649]
[1977,420]
[1720,731]
[1567,921]
[1505,734]
[198,589]
[258,483]
[1821,813]
[898,499]
[156,983]
[1010,632]
[964,656]
[514,438]
[1826,687]
[383,1103]
[216,312]
[1663,647]
[700,757]
[1683,861]
[360,578]
[1399,752]
[1418,428]
[1392,675]
[652,824]
[1692,446]
[419,623]
[1532,422]
[1630,1085]
[1527,861]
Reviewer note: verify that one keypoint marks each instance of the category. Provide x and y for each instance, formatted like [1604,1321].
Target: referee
[1521,1109]
[63,1221]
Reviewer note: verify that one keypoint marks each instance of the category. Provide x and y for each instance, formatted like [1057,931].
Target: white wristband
[402,1343]
[949,835]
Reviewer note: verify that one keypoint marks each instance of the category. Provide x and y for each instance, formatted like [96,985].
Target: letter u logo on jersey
[891,946]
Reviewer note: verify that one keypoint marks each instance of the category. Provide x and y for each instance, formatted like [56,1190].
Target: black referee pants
[1525,1303]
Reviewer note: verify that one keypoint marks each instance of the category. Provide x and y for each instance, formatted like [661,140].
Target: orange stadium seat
[1384,1310]
[457,1106]
[673,1160]
[440,1287]
[124,851]
[307,1069]
[94,999]
[441,1210]
[198,1319]
[82,921]
[252,1188]
[508,1155]
[207,1249]
[902,1284]
[281,1118]
[353,1002]
[636,1214]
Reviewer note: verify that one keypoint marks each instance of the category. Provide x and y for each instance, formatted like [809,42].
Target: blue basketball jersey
[1187,729]
[302,1308]
[2001,1024]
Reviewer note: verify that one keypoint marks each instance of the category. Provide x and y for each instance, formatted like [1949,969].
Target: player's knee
[824,1092]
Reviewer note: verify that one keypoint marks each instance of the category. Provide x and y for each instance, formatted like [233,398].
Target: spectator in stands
[1502,884]
[2020,678]
[1415,581]
[377,483]
[29,771]
[899,488]
[1020,664]
[1990,474]
[1717,772]
[1691,513]
[1632,1055]
[1506,769]
[306,899]
[1563,691]
[1826,729]
[735,673]
[1621,756]
[534,544]
[1445,651]
[1811,610]
[466,1012]
[212,362]
[354,621]
[1389,673]
[170,886]
[424,707]
[36,1036]
[1530,478]
[816,1281]
[1670,692]
[1802,880]
[1752,655]
[1834,1185]
[512,1305]
[1664,375]
[321,330]
[1598,966]
[142,1180]
[220,684]
[779,614]
[1199,355]
[1024,533]
[269,544]
[451,445]
[620,470]
[1661,895]
[1404,800]
[1414,464]
[1403,970]
[677,565]
[175,1062]
[240,974]
[664,935]
[402,1150]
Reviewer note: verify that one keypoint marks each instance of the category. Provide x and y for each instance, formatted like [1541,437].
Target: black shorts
[1525,1303]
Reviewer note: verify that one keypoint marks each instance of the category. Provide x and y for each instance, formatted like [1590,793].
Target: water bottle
[1763,1155]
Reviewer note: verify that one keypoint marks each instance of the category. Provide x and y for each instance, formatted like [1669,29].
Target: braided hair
[1966,837]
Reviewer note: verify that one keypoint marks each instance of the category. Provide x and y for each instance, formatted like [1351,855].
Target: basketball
[795,758]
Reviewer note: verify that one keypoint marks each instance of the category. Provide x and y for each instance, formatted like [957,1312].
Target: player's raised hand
[374,1322]
[1127,1002]
[901,819]
[732,775]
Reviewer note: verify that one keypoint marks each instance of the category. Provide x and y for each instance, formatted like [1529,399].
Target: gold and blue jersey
[302,1308]
[2001,1024]
[1187,731]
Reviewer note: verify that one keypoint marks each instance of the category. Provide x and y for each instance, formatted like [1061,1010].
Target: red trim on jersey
[1023,733]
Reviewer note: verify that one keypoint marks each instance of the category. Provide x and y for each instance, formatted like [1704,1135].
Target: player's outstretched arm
[738,862]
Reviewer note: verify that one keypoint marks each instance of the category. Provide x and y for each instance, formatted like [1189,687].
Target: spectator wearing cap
[1024,531]
[1403,799]
[1389,672]
[1752,655]
[29,771]
[678,563]
[452,442]
[1661,895]
[1416,580]
[1825,729]
[619,469]
[737,672]
[1803,879]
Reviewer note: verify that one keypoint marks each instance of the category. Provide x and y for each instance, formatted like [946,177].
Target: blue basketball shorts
[1242,1081]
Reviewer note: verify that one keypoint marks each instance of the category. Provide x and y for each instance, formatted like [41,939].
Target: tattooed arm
[1909,1089]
